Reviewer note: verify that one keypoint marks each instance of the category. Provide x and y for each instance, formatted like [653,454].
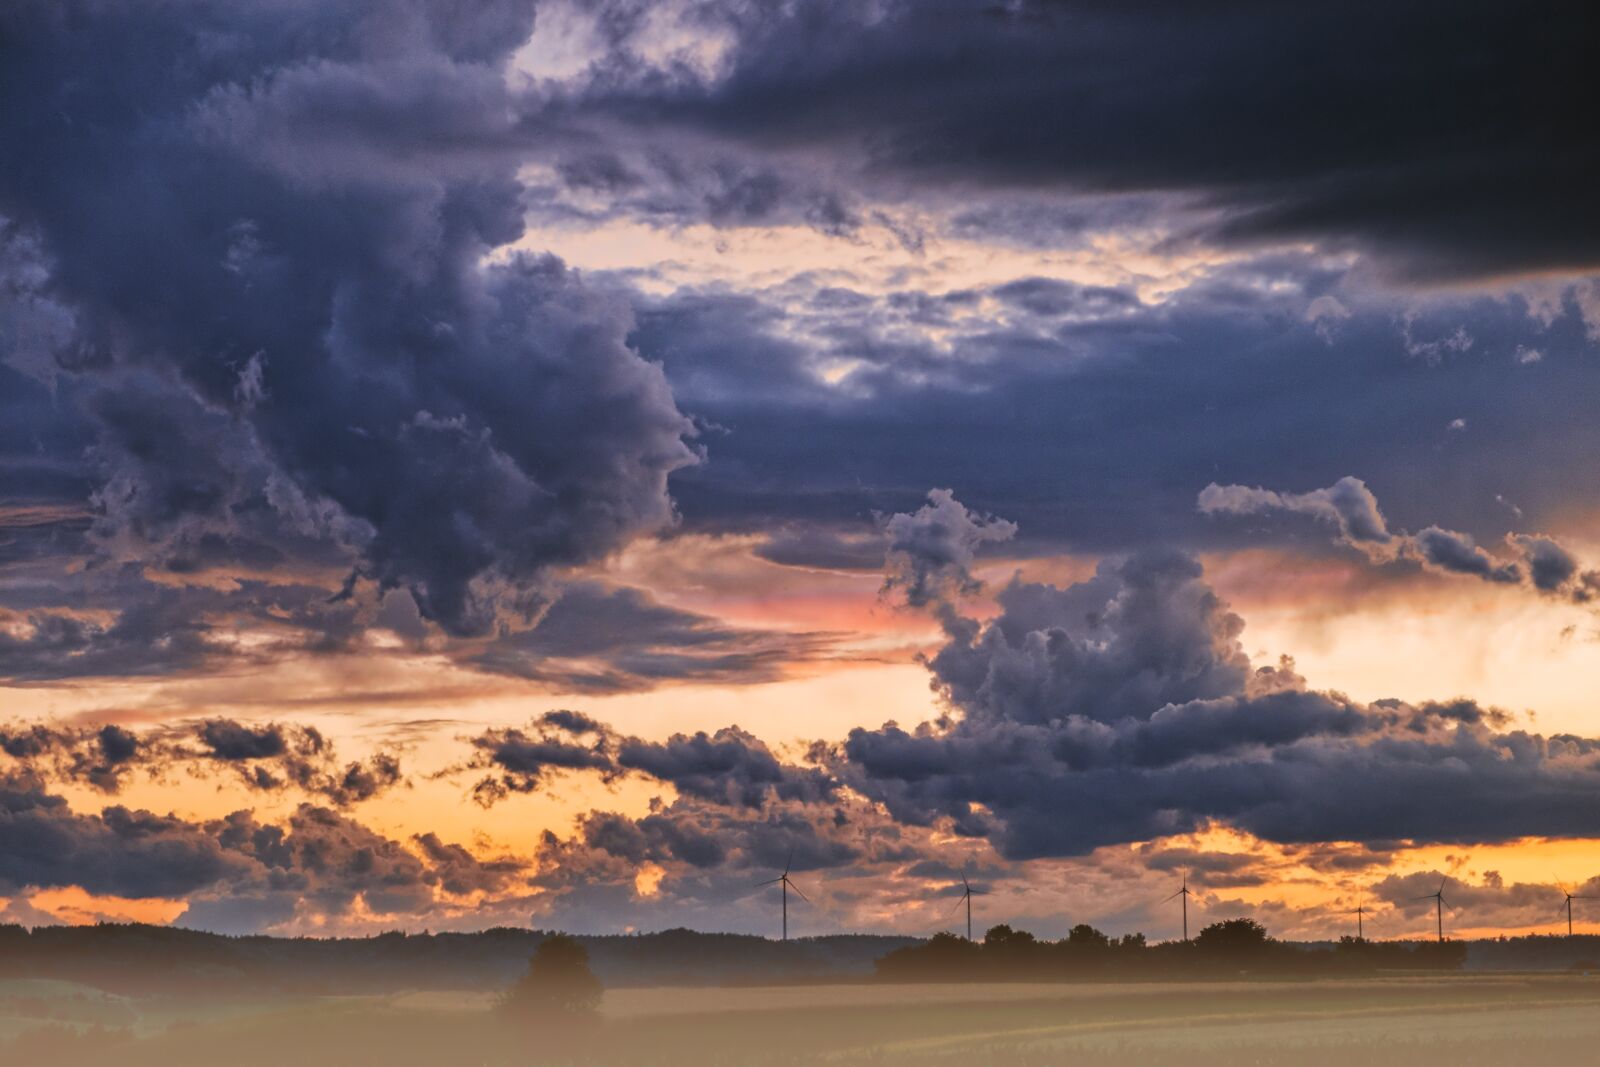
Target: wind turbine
[1570,898]
[783,880]
[1360,914]
[967,893]
[1438,901]
[1184,894]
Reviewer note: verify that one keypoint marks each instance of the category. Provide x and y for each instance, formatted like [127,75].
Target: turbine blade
[769,881]
[796,890]
[1173,897]
[790,861]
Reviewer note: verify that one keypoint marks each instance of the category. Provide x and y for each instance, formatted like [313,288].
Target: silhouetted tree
[559,989]
[1233,940]
[944,957]
[1085,938]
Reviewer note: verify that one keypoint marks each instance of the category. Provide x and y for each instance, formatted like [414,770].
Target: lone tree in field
[559,989]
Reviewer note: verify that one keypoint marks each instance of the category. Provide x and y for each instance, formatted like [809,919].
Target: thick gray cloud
[1096,435]
[278,216]
[1123,708]
[1394,129]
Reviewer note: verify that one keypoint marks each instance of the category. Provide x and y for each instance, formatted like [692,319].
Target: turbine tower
[967,893]
[1570,898]
[1438,902]
[1360,914]
[1182,894]
[783,881]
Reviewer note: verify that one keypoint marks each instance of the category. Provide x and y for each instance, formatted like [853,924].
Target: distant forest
[141,959]
[134,958]
[1233,947]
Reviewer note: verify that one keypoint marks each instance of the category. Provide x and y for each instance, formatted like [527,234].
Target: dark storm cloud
[1117,710]
[1123,708]
[1449,139]
[1230,380]
[278,214]
[600,639]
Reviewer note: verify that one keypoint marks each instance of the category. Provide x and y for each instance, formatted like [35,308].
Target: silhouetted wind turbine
[967,893]
[1438,900]
[1570,898]
[783,880]
[1360,913]
[1184,893]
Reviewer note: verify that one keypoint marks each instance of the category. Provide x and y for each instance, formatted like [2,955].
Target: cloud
[329,338]
[601,639]
[319,869]
[1123,709]
[931,551]
[945,98]
[731,767]
[1456,552]
[1348,503]
[521,761]
[1545,564]
[121,852]
[271,757]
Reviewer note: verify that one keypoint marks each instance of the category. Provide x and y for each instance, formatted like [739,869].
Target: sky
[561,463]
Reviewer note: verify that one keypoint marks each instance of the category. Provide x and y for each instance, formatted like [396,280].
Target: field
[1462,1021]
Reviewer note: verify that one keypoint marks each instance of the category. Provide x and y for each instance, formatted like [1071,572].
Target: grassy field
[1415,1022]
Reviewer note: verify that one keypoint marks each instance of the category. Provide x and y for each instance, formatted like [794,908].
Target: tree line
[1229,947]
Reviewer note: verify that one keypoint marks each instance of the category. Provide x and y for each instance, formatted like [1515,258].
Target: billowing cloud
[931,551]
[1544,564]
[326,350]
[1123,708]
